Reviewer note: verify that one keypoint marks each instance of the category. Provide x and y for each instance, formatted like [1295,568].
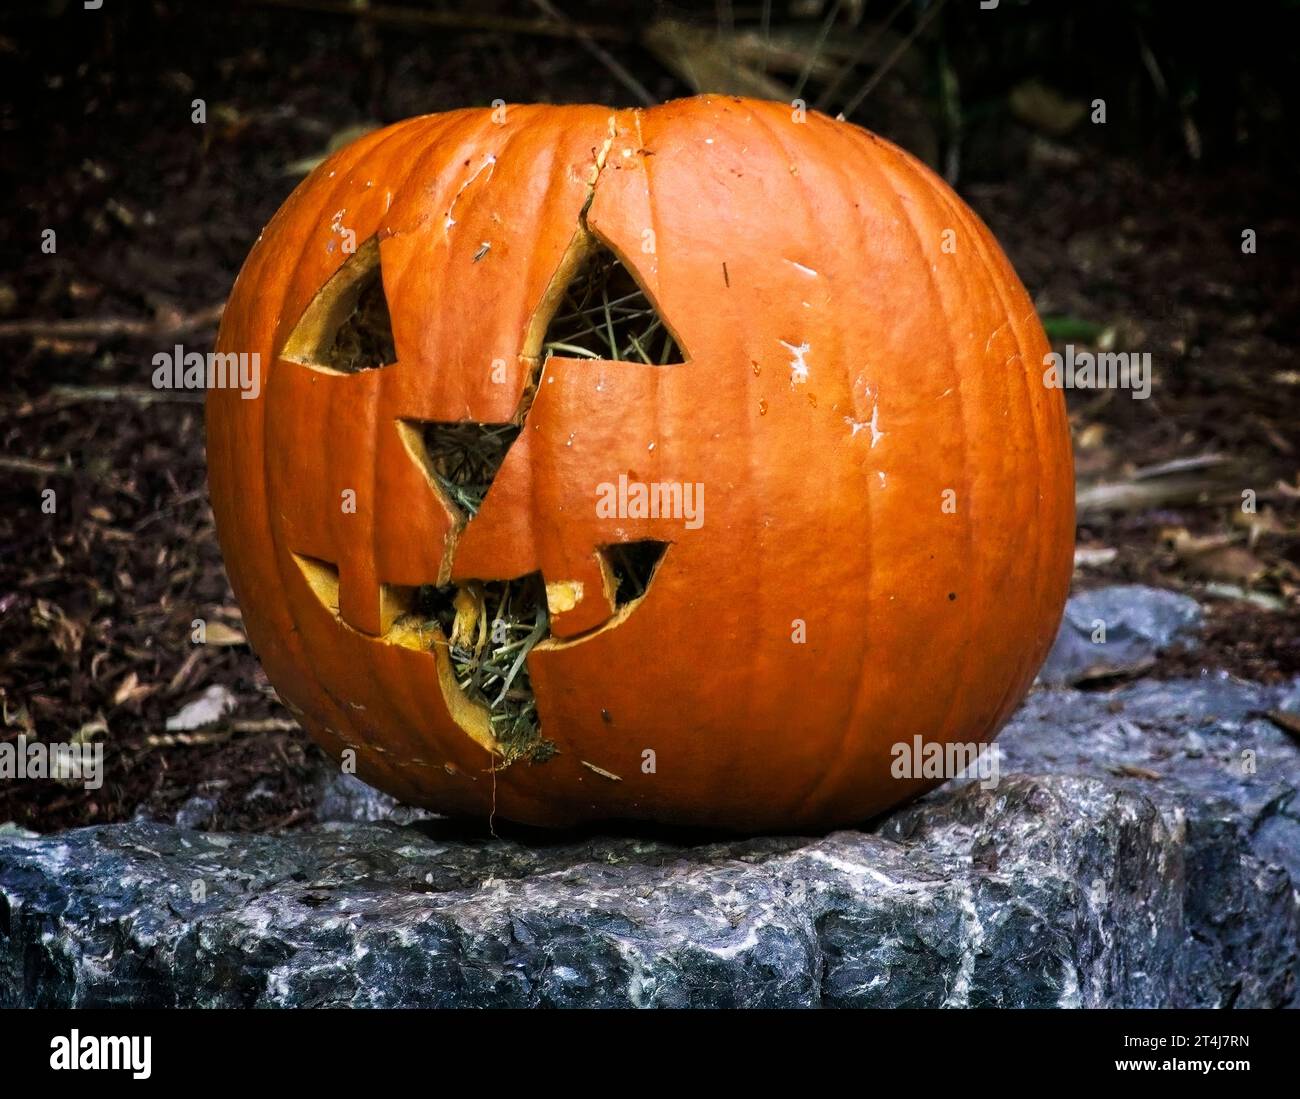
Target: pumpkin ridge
[974,231]
[815,792]
[336,409]
[859,701]
[957,679]
[908,167]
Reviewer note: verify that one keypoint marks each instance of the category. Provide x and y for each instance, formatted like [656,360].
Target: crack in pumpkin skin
[727,754]
[471,714]
[561,597]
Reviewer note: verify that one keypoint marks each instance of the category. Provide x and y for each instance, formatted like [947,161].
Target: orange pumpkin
[670,464]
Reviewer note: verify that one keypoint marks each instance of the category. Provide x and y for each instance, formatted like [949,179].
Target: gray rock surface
[1135,621]
[1142,847]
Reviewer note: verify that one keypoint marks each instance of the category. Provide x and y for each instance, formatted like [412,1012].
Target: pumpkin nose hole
[464,458]
[605,314]
[347,328]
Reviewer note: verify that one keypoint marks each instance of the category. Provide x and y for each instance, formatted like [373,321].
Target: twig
[1154,493]
[890,61]
[824,99]
[630,82]
[220,732]
[105,327]
[31,465]
[136,394]
[264,725]
[1182,465]
[815,55]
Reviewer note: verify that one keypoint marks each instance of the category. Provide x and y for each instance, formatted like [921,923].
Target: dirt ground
[1120,247]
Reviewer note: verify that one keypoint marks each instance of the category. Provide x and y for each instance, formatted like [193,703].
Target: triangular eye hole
[605,314]
[346,328]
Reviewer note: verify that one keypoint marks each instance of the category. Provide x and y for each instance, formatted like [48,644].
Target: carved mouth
[491,626]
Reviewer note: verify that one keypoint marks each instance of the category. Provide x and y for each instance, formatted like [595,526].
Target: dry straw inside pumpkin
[604,314]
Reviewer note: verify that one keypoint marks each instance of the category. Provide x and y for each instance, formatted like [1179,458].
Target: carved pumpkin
[668,464]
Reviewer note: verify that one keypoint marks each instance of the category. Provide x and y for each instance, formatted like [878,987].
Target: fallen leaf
[1092,436]
[1045,108]
[210,707]
[218,633]
[1091,557]
[89,730]
[343,137]
[131,690]
[1259,524]
[1234,564]
[1188,545]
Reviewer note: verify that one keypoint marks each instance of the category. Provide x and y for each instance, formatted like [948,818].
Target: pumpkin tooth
[563,595]
[469,612]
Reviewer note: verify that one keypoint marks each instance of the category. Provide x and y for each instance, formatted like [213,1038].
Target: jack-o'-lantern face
[657,464]
[433,559]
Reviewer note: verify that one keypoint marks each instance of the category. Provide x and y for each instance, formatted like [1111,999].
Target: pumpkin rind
[778,247]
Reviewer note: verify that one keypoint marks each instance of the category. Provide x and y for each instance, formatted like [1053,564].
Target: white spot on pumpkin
[798,364]
[802,269]
[871,423]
